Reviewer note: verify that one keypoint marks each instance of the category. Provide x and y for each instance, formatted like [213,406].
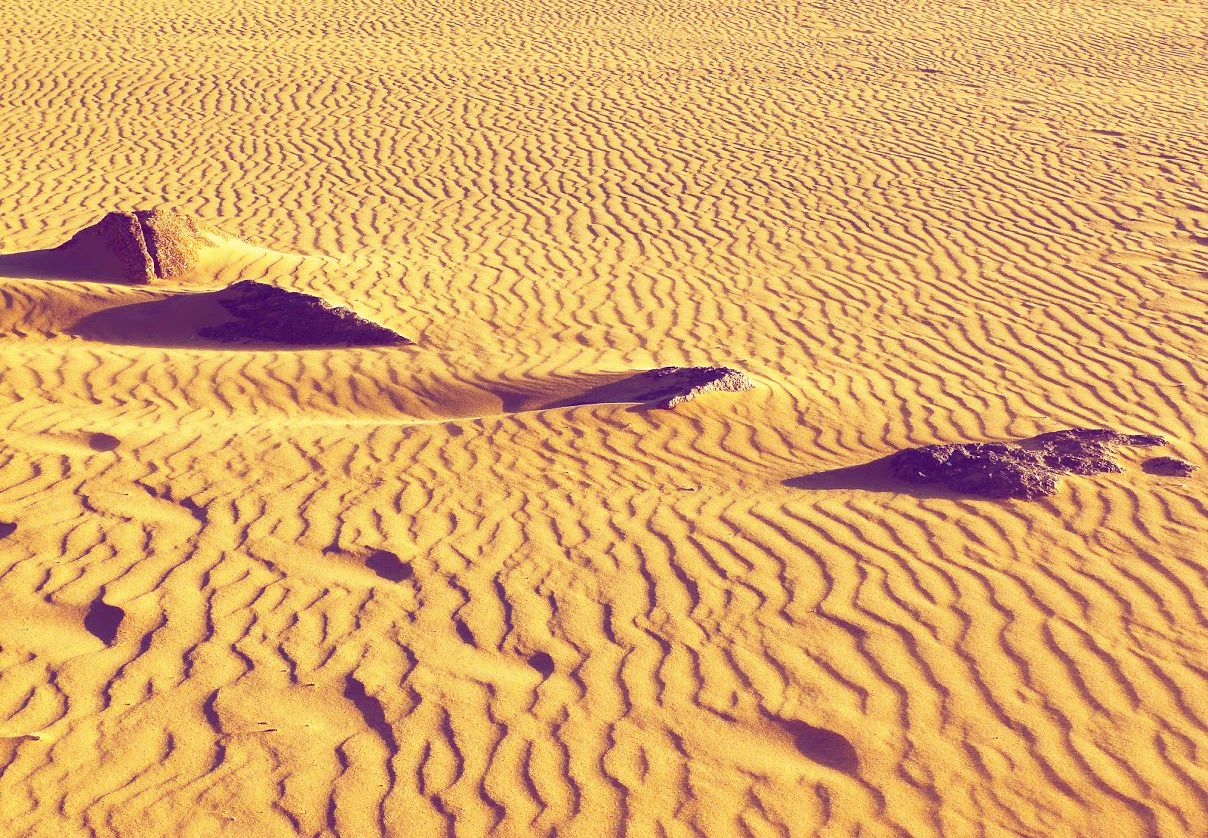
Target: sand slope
[389,591]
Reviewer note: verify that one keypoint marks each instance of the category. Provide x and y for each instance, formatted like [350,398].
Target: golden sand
[440,589]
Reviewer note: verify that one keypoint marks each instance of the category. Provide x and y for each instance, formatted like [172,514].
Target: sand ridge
[393,591]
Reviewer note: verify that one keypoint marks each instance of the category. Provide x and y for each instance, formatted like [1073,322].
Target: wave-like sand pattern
[420,590]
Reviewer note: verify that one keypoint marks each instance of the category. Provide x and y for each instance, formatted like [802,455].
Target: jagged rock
[117,246]
[267,314]
[669,386]
[993,469]
[1079,437]
[1028,469]
[1168,467]
[140,246]
[173,240]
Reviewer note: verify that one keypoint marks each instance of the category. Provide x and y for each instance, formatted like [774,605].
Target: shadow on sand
[171,323]
[873,476]
[59,263]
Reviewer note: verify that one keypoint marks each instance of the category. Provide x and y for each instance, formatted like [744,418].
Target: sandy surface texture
[468,577]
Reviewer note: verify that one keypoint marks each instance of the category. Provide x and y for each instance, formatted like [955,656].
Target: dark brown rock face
[1028,469]
[267,314]
[669,386]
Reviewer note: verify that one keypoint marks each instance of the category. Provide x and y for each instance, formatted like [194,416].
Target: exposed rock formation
[173,240]
[668,386]
[267,314]
[1028,469]
[137,247]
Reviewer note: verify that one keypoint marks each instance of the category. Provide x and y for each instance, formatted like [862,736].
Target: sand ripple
[392,591]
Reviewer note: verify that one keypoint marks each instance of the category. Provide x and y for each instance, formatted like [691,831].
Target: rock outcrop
[138,247]
[1028,469]
[267,314]
[668,386]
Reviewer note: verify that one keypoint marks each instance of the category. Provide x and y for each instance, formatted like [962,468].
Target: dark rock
[1144,440]
[389,566]
[119,237]
[669,386]
[1088,436]
[1004,478]
[1028,469]
[936,463]
[174,240]
[137,247]
[102,621]
[1168,467]
[543,663]
[1073,464]
[1077,436]
[267,314]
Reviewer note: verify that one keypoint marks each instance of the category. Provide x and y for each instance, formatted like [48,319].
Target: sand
[440,589]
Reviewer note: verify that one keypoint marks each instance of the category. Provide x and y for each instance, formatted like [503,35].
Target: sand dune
[463,587]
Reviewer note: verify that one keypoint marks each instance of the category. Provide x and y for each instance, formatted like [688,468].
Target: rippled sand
[392,591]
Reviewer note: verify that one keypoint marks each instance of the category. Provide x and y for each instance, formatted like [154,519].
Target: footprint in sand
[464,632]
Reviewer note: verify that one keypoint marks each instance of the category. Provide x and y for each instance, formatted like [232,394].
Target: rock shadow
[661,388]
[874,476]
[54,264]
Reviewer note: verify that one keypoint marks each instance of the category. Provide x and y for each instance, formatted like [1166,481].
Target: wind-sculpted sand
[477,584]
